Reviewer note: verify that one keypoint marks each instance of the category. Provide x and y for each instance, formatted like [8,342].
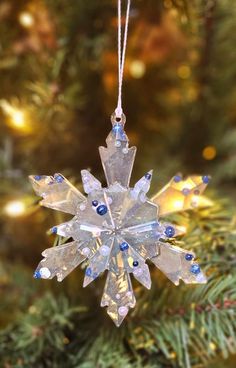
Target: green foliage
[185,326]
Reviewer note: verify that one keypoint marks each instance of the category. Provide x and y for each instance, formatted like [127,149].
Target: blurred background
[58,88]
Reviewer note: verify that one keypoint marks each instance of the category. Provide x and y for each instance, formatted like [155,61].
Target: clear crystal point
[99,262]
[182,194]
[57,194]
[90,183]
[117,158]
[142,187]
[172,262]
[118,296]
[61,260]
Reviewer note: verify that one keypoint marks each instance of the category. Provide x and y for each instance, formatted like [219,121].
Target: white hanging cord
[121,55]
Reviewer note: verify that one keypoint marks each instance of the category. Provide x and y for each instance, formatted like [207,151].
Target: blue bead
[88,272]
[170,231]
[135,263]
[205,179]
[117,128]
[102,210]
[188,257]
[148,176]
[195,268]
[59,178]
[37,275]
[185,191]
[54,230]
[38,177]
[124,246]
[177,178]
[95,203]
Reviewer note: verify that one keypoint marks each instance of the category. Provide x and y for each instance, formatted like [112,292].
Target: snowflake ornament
[118,228]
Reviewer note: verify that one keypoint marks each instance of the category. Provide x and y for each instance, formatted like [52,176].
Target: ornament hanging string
[121,55]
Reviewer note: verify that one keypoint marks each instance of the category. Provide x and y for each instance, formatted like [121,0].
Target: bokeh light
[17,117]
[184,71]
[26,19]
[137,69]
[15,208]
[209,153]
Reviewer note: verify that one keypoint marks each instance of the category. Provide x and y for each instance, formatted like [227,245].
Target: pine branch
[171,327]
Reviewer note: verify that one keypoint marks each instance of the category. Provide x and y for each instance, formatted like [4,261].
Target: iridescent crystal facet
[117,228]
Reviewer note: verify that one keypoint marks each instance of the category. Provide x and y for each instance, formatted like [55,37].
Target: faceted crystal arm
[66,229]
[134,263]
[123,256]
[98,263]
[117,159]
[135,213]
[142,187]
[142,275]
[59,261]
[90,183]
[57,192]
[78,231]
[178,264]
[181,195]
[144,238]
[118,296]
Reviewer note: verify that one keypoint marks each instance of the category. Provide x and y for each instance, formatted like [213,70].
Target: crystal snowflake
[117,228]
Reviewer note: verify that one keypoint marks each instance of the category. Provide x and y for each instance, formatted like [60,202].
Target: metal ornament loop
[118,120]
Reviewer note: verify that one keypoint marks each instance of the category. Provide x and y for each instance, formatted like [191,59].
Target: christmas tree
[58,75]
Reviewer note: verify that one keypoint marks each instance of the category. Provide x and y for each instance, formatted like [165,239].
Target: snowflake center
[116,231]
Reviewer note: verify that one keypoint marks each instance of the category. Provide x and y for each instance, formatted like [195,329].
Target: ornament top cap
[118,119]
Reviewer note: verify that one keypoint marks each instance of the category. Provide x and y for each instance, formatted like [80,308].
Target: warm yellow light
[26,19]
[195,201]
[172,355]
[192,325]
[209,153]
[16,116]
[204,202]
[212,346]
[18,119]
[184,71]
[15,208]
[186,185]
[177,205]
[137,69]
[192,93]
[181,230]
[173,13]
